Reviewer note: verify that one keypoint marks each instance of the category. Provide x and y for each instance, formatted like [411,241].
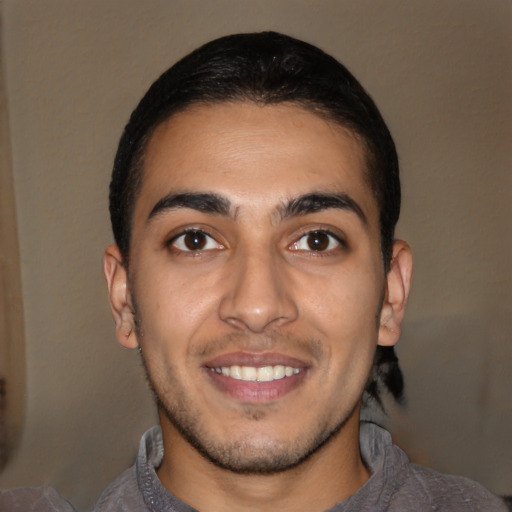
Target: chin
[255,450]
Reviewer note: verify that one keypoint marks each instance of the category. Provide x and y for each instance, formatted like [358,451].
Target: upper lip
[255,359]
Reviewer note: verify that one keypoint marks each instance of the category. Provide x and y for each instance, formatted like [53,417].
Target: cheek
[344,301]
[343,309]
[173,305]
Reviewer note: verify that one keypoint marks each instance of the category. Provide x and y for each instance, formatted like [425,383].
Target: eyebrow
[319,201]
[203,202]
[216,204]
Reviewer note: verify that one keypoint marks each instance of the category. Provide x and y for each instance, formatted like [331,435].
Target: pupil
[195,240]
[318,241]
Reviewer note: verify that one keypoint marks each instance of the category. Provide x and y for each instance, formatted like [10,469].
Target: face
[255,282]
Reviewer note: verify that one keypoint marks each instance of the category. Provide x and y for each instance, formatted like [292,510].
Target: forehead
[253,154]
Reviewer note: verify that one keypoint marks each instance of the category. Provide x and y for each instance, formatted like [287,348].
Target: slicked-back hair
[266,68]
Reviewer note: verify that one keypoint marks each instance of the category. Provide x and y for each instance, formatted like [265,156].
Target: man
[253,202]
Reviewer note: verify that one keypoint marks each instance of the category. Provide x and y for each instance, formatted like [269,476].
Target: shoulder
[398,485]
[446,492]
[33,499]
[126,493]
[122,495]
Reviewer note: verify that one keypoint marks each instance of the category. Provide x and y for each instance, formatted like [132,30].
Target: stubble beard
[236,455]
[239,456]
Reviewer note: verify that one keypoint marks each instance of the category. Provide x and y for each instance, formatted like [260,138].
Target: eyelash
[332,238]
[198,232]
[174,242]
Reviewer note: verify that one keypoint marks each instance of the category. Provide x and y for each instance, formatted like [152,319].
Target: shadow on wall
[12,338]
[457,386]
[3,447]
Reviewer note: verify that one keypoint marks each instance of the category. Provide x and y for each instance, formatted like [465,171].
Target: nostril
[257,318]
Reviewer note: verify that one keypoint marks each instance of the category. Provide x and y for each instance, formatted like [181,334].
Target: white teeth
[234,371]
[265,374]
[279,371]
[249,373]
[254,374]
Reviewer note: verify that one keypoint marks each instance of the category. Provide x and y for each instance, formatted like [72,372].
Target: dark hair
[265,68]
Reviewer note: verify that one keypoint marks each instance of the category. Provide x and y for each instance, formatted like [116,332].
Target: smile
[257,374]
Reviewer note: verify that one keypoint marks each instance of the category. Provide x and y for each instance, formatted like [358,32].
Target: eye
[317,241]
[195,240]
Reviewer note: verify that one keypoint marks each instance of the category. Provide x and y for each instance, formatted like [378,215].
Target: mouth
[256,378]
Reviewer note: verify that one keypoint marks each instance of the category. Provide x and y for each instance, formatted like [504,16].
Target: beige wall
[441,72]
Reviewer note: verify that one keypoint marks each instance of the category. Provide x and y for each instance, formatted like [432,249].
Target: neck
[331,474]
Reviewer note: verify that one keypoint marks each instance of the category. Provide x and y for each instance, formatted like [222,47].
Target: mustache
[275,341]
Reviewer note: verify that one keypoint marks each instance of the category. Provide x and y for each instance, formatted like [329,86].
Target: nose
[259,295]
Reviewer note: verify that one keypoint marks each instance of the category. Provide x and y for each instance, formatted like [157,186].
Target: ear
[398,284]
[120,298]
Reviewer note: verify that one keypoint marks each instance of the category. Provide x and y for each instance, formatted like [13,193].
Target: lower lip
[256,392]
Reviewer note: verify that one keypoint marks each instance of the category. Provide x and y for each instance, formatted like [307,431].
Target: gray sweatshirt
[395,485]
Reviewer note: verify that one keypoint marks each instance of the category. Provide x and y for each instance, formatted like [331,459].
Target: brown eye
[317,241]
[195,240]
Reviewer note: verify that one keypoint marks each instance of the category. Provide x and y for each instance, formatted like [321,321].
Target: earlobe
[398,283]
[120,298]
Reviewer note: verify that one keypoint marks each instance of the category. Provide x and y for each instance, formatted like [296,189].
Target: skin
[266,283]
